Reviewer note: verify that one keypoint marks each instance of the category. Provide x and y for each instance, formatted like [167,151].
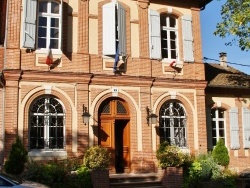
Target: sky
[212,45]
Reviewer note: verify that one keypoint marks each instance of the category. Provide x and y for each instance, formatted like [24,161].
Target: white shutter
[246,127]
[61,22]
[154,34]
[108,29]
[29,27]
[209,129]
[187,39]
[122,30]
[234,128]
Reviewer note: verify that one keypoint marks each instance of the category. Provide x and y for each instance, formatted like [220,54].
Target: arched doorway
[114,133]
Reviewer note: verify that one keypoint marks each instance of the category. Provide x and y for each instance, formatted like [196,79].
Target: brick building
[120,62]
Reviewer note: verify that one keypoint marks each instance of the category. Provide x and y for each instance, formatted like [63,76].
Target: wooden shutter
[122,30]
[209,129]
[234,128]
[29,27]
[187,39]
[246,127]
[108,29]
[154,34]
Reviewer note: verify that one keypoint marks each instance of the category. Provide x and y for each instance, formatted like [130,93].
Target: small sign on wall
[115,91]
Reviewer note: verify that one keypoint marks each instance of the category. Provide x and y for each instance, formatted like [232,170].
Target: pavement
[33,184]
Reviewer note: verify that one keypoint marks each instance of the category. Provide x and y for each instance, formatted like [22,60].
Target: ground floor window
[218,125]
[173,124]
[46,127]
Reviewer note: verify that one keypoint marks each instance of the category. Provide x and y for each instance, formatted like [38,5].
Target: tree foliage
[220,153]
[17,158]
[236,23]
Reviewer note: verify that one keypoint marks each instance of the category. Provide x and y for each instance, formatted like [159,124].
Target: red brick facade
[87,78]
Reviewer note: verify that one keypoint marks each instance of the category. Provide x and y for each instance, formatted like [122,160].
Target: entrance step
[134,180]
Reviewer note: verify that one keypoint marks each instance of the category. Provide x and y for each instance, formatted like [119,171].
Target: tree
[220,153]
[235,22]
[17,158]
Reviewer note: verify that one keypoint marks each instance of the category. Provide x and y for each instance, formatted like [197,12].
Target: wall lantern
[151,117]
[85,115]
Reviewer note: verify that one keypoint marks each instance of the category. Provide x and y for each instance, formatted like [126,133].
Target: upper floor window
[218,125]
[114,29]
[2,20]
[173,124]
[43,24]
[169,37]
[46,127]
[164,40]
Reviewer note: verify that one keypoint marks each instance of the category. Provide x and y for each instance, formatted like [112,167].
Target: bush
[206,169]
[18,157]
[170,156]
[83,177]
[57,174]
[220,153]
[48,173]
[97,157]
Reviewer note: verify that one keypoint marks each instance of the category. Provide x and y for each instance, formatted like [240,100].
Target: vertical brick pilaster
[13,35]
[201,117]
[146,129]
[197,34]
[143,29]
[82,129]
[83,28]
[14,23]
[11,108]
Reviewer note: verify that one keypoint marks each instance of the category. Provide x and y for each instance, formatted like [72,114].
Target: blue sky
[212,45]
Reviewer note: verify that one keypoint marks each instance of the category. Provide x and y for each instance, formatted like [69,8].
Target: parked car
[6,181]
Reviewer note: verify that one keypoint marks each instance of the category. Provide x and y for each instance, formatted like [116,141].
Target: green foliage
[235,22]
[170,156]
[206,169]
[57,174]
[83,177]
[18,157]
[48,173]
[220,153]
[97,157]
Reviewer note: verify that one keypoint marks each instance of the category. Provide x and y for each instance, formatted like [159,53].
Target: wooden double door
[114,133]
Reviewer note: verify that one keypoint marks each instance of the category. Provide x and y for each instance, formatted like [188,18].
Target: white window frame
[49,16]
[30,25]
[155,38]
[173,118]
[216,119]
[47,115]
[168,29]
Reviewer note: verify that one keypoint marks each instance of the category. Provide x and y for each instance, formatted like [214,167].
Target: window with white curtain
[47,124]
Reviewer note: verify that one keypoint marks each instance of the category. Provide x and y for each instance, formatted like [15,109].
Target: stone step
[134,180]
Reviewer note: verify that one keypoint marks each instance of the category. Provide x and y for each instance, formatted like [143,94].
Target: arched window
[173,123]
[46,127]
